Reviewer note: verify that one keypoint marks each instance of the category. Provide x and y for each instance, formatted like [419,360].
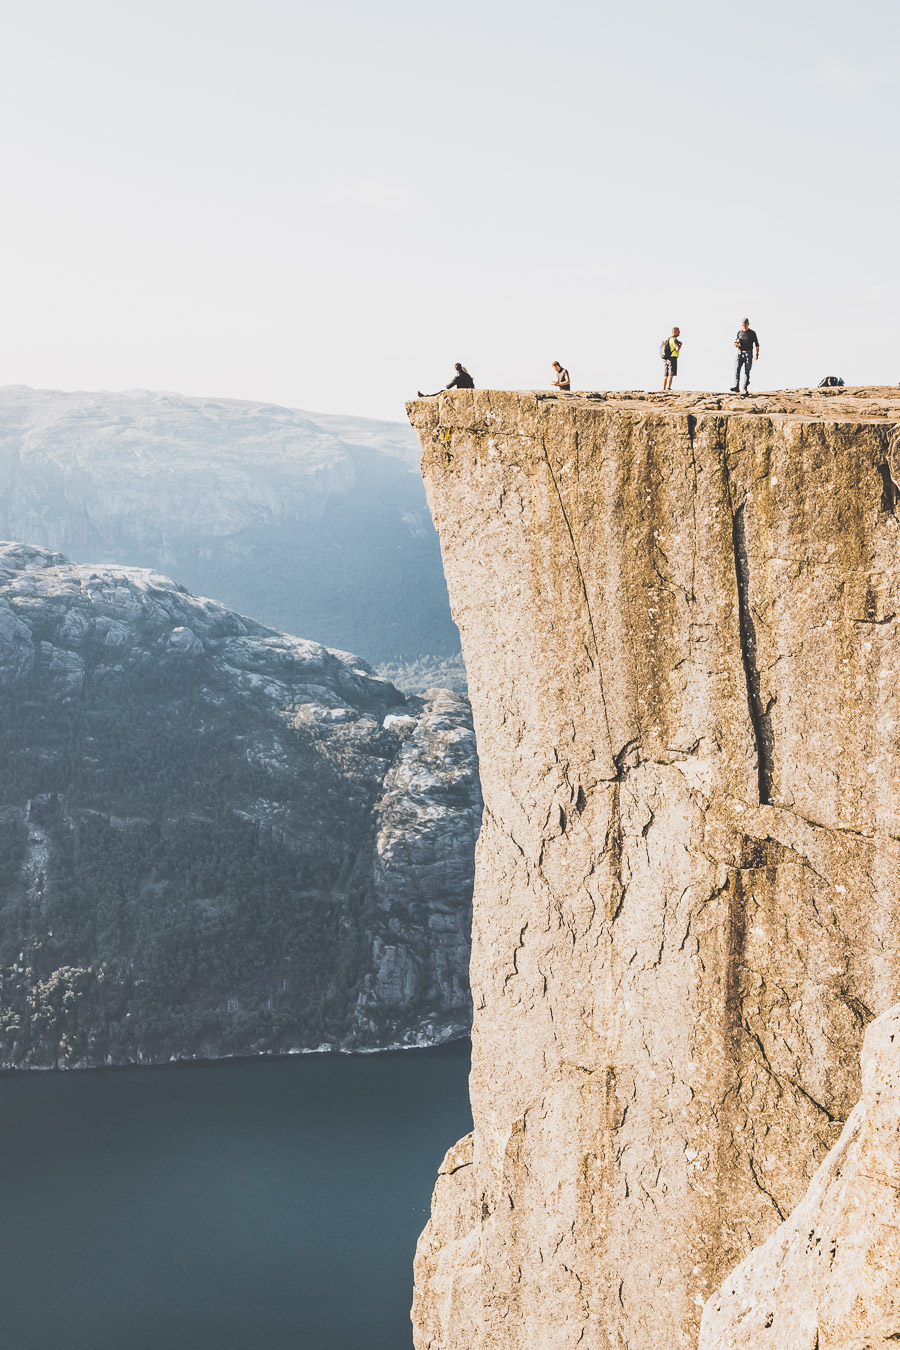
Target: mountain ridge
[319,527]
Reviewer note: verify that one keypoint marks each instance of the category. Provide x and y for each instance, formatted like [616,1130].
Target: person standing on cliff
[562,380]
[670,348]
[461,380]
[745,341]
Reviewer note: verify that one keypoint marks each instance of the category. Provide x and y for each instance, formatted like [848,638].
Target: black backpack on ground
[831,382]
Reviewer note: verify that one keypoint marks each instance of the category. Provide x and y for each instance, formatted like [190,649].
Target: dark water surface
[271,1205]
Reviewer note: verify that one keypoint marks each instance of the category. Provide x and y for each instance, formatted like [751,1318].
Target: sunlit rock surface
[679,618]
[830,1276]
[216,838]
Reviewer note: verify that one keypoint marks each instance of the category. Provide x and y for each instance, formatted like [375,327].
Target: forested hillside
[216,839]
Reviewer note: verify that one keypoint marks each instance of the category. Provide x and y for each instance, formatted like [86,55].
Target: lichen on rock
[679,619]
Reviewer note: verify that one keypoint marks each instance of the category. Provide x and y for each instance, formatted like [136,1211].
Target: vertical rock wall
[829,1278]
[679,618]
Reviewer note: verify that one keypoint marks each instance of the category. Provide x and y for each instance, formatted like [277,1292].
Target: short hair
[745,320]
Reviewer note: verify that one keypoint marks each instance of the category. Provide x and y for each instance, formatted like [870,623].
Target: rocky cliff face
[316,524]
[830,1276]
[215,838]
[679,617]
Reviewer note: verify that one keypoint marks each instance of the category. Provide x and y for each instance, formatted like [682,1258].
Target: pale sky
[327,205]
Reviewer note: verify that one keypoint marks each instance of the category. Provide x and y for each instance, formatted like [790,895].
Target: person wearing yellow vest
[670,348]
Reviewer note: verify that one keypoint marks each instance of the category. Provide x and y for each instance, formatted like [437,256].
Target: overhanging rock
[679,619]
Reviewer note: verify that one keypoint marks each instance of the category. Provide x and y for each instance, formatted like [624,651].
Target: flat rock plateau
[679,618]
[217,839]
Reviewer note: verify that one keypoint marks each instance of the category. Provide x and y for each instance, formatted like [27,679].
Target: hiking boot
[734,389]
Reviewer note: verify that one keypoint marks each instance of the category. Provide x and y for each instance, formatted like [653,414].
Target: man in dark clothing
[745,341]
[461,380]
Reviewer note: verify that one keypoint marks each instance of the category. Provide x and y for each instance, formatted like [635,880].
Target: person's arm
[757,346]
[453,383]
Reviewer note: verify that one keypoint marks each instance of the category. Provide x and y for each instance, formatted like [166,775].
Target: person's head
[745,323]
[458,366]
[676,332]
[557,366]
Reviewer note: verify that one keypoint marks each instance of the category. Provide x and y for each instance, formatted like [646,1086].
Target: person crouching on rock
[562,378]
[670,348]
[461,380]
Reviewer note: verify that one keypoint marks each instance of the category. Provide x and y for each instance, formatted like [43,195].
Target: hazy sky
[326,205]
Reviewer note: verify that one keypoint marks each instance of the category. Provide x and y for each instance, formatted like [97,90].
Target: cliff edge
[679,617]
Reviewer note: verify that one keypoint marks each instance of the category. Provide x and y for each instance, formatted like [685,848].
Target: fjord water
[271,1205]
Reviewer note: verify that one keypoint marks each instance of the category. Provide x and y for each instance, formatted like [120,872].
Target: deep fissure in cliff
[890,493]
[759,711]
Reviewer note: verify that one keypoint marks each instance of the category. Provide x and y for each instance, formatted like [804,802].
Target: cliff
[679,618]
[216,839]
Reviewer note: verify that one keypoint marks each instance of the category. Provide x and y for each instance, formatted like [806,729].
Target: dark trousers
[742,362]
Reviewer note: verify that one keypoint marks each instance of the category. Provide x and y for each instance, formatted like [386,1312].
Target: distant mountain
[216,839]
[314,523]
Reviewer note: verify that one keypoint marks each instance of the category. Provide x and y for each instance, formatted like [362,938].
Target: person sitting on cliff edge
[671,346]
[745,341]
[562,381]
[461,380]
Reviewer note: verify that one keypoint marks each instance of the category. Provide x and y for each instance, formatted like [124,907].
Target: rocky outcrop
[830,1276]
[215,838]
[315,524]
[679,618]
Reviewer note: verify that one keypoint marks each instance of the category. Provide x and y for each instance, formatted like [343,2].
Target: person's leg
[738,361]
[748,362]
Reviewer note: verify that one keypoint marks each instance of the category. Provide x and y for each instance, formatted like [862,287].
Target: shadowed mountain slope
[315,523]
[215,838]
